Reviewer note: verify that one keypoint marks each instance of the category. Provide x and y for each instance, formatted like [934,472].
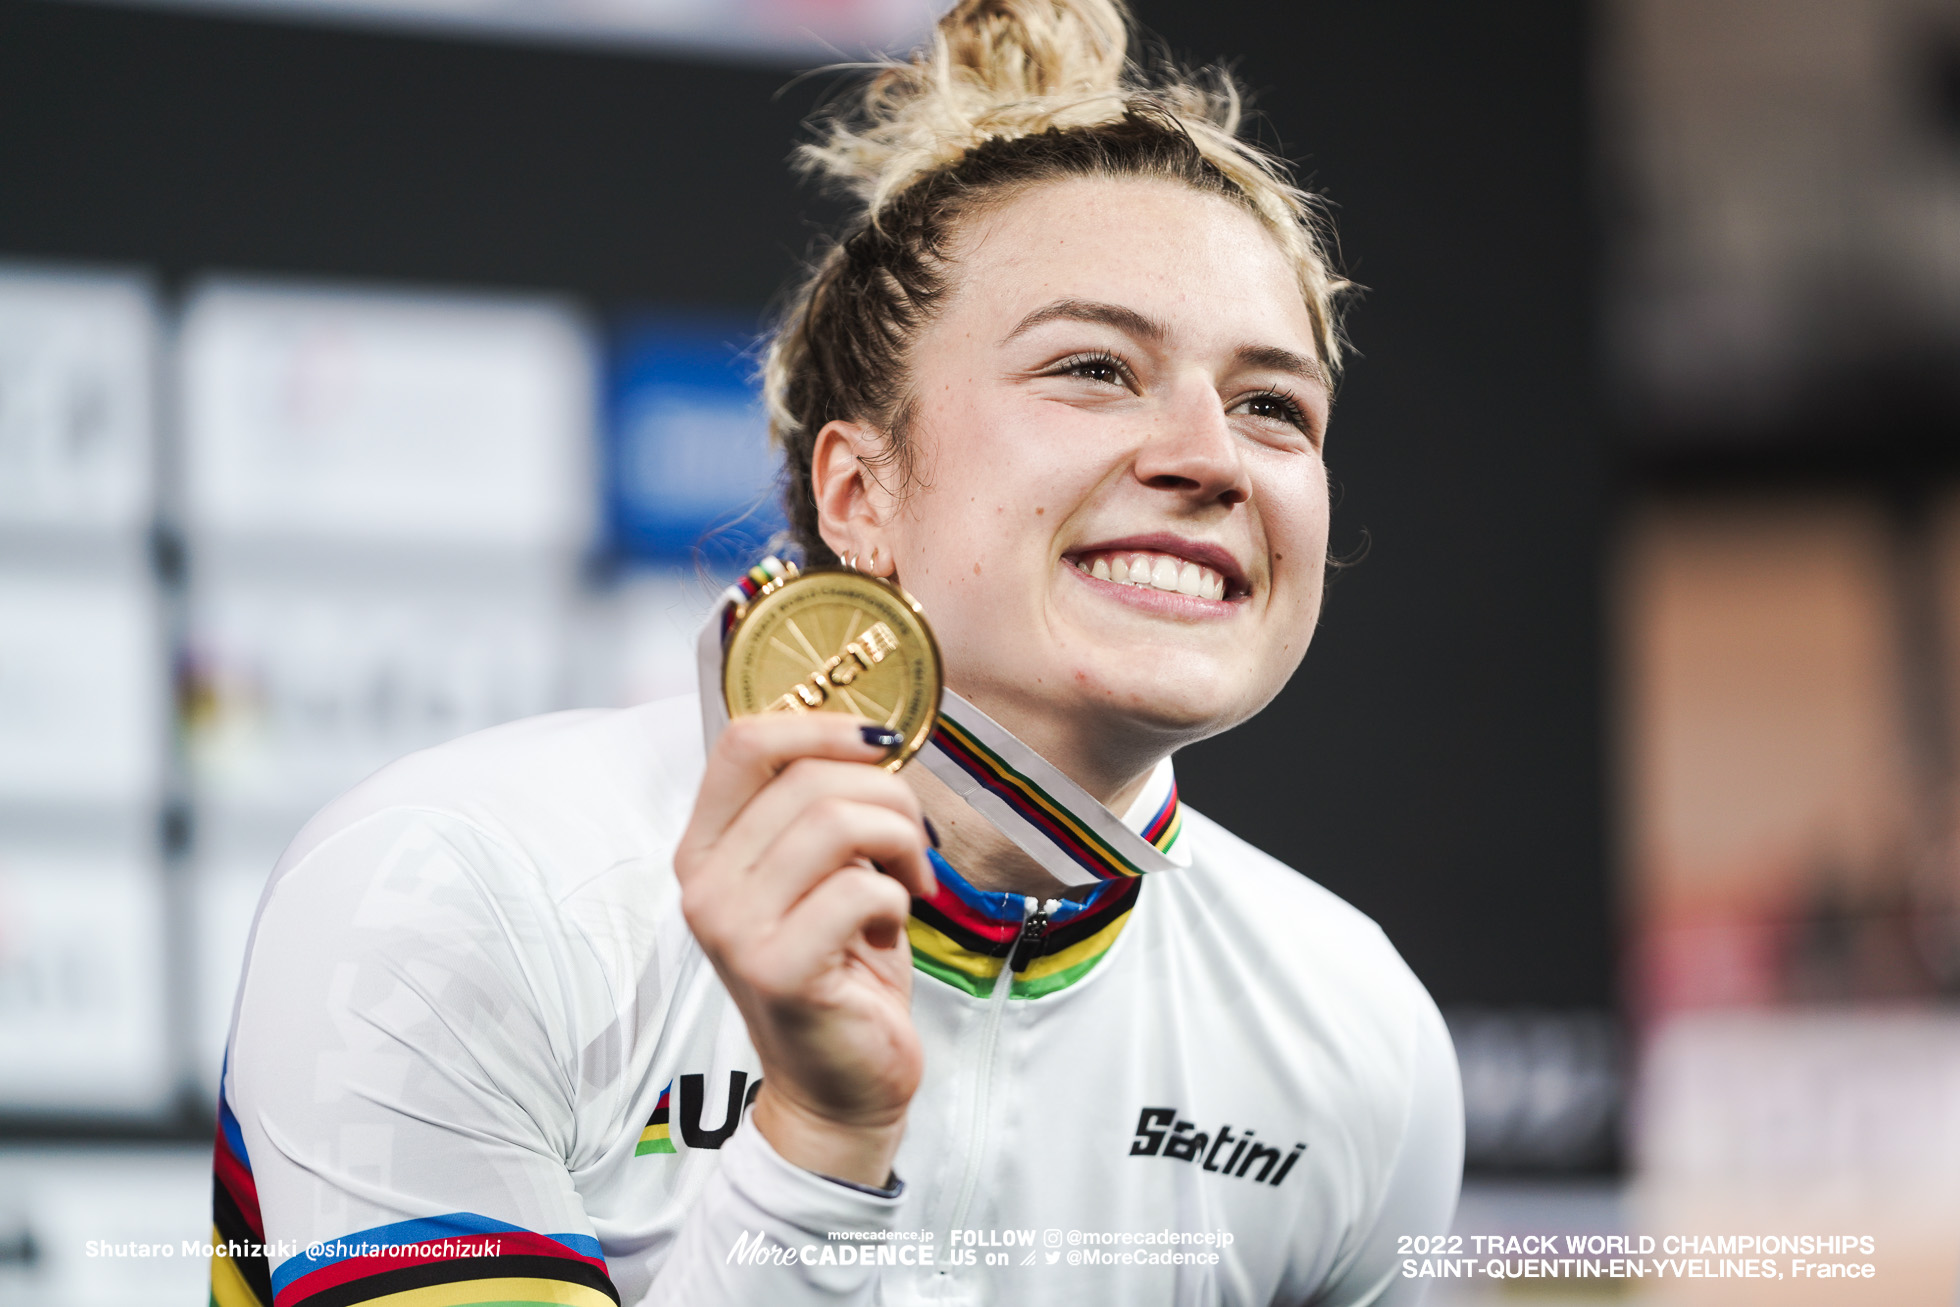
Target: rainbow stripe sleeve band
[458,1260]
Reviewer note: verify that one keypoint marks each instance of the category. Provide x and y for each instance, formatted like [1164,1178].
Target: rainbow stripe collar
[965,936]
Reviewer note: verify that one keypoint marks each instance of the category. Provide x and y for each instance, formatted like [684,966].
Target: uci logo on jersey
[1161,1134]
[657,1137]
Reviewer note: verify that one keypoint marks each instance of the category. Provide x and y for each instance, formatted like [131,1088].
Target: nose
[1194,450]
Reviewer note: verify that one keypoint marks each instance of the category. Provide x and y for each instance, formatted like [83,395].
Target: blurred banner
[819,31]
[77,404]
[691,475]
[86,1023]
[83,694]
[1807,1124]
[342,420]
[391,518]
[386,501]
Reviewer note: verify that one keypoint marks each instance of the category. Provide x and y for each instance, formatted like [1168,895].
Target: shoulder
[1341,1008]
[1330,986]
[531,863]
[1316,933]
[563,795]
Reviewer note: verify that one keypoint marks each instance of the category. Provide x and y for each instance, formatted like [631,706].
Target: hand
[796,872]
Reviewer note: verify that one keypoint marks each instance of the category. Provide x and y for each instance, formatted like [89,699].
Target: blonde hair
[1008,94]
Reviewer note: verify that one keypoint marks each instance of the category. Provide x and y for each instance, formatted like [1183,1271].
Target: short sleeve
[399,1090]
[1420,1195]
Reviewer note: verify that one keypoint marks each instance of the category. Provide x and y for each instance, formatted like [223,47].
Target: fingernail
[931,834]
[881,737]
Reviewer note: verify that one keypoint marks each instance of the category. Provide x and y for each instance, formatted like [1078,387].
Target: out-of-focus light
[1787,263]
[758,29]
[1541,1090]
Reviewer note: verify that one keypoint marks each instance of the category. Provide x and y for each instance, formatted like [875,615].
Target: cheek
[997,482]
[959,536]
[1296,513]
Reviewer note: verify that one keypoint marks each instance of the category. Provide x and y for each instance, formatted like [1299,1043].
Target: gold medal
[834,640]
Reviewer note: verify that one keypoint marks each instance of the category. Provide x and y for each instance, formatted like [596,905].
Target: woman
[1068,382]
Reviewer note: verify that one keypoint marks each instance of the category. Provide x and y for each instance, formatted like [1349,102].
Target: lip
[1202,552]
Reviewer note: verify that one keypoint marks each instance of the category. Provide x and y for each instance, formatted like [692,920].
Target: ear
[852,503]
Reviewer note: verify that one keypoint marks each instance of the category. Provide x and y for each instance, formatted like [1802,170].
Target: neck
[987,859]
[1108,753]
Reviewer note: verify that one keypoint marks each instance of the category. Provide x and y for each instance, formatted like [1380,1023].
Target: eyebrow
[1283,360]
[1109,315]
[1136,324]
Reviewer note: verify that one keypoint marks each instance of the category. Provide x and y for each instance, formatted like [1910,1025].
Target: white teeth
[1159,572]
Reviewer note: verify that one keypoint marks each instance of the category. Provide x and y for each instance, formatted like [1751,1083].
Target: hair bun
[993,68]
[1019,50]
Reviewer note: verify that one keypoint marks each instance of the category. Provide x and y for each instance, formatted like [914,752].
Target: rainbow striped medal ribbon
[1024,796]
[1054,821]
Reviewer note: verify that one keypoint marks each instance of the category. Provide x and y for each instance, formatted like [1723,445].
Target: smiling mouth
[1152,571]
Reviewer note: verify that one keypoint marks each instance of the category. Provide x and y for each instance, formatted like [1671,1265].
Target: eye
[1275,407]
[1097,366]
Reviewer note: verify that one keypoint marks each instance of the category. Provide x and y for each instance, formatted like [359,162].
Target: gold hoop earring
[852,561]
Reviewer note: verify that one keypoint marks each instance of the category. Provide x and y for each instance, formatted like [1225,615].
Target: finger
[832,834]
[781,805]
[728,909]
[848,908]
[752,750]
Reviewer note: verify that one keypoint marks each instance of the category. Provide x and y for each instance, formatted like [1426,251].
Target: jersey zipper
[1033,927]
[1034,924]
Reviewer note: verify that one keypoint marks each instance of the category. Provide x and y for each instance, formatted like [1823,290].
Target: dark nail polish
[931,834]
[881,737]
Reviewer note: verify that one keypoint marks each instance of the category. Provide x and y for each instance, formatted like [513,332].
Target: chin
[1181,704]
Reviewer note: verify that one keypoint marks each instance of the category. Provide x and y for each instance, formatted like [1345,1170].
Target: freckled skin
[1175,439]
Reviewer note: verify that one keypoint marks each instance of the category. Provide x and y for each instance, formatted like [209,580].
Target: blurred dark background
[1439,760]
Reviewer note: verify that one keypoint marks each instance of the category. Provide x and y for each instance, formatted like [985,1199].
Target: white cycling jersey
[477,1057]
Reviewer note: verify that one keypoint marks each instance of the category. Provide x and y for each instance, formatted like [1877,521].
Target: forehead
[1198,263]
